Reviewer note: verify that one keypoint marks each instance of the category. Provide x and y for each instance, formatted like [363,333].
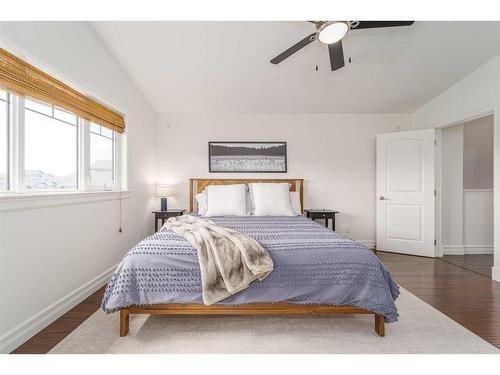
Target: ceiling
[210,67]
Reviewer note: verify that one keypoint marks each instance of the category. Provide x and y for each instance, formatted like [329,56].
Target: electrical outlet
[347,230]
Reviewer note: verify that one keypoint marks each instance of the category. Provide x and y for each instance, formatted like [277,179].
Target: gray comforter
[312,265]
[229,260]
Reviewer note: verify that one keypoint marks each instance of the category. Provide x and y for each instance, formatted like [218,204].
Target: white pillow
[271,199]
[201,199]
[226,200]
[295,200]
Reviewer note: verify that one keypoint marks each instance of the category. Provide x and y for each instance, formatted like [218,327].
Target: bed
[317,271]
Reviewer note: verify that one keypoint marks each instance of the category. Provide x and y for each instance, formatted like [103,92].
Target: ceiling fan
[332,33]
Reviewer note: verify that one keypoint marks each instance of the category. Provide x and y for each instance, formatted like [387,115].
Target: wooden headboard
[196,185]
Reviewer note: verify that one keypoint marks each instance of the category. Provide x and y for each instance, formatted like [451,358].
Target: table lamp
[162,192]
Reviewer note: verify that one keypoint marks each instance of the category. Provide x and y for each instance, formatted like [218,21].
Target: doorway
[467,156]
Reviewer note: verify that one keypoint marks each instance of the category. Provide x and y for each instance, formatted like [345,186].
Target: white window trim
[17,198]
[117,182]
[83,154]
[29,201]
[19,155]
[16,146]
[8,150]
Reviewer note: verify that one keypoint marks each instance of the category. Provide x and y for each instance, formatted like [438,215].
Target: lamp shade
[163,190]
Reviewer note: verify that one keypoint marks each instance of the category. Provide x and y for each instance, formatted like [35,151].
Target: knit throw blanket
[229,260]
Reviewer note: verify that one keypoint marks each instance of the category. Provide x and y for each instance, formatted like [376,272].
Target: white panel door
[405,192]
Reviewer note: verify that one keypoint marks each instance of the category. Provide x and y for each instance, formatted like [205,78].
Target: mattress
[312,265]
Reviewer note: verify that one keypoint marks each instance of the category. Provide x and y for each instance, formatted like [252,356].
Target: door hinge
[435,242]
[435,192]
[435,142]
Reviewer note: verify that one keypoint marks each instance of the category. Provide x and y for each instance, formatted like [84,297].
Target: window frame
[115,137]
[7,165]
[16,157]
[22,127]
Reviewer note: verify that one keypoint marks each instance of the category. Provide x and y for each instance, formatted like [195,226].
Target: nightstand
[164,215]
[321,213]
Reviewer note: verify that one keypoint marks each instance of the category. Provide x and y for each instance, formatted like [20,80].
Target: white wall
[478,221]
[334,153]
[478,153]
[467,213]
[475,95]
[452,211]
[52,257]
[478,186]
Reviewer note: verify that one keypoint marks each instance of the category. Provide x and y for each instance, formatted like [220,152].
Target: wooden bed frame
[196,185]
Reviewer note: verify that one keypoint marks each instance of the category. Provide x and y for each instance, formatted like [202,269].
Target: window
[43,148]
[50,147]
[4,140]
[101,157]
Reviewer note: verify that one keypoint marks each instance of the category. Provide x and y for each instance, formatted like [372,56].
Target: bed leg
[379,325]
[124,319]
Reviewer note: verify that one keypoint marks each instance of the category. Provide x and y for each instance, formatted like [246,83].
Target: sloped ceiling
[210,67]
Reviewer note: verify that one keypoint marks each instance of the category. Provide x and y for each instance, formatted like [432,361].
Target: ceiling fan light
[333,32]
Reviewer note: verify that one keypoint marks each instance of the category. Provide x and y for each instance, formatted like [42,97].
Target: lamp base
[163,204]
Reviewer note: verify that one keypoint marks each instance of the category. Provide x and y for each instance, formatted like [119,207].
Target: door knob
[381,197]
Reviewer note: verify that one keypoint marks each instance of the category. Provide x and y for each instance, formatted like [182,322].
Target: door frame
[493,110]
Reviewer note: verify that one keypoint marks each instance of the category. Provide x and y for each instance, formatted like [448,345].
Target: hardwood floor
[480,263]
[468,297]
[51,335]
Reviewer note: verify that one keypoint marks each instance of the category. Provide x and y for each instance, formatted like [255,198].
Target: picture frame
[247,157]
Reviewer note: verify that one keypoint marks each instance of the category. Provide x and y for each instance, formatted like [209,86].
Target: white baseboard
[495,273]
[478,249]
[31,326]
[467,249]
[453,250]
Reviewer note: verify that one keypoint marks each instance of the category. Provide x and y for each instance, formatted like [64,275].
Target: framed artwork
[247,157]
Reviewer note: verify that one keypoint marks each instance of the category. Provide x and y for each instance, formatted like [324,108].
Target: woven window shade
[21,78]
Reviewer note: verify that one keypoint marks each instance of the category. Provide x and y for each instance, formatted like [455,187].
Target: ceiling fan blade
[376,24]
[290,51]
[336,55]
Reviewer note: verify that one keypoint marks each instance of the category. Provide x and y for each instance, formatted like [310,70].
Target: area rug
[420,329]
